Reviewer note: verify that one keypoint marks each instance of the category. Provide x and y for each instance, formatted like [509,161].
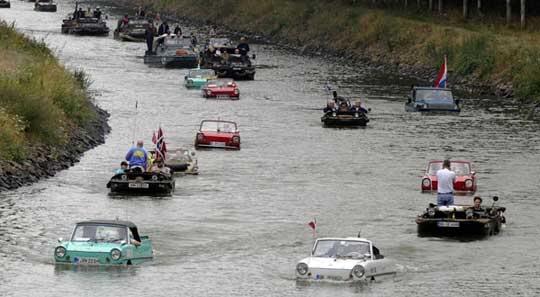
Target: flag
[313,224]
[440,82]
[161,147]
[154,138]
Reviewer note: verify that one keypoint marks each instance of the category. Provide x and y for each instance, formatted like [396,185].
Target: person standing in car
[445,185]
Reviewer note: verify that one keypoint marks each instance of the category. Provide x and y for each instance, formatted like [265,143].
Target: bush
[474,56]
[11,136]
[527,75]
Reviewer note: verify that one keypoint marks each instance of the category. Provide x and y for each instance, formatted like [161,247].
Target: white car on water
[344,259]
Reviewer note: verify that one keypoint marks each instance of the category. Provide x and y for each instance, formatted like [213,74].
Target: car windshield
[137,23]
[178,42]
[99,233]
[458,167]
[219,42]
[341,248]
[220,83]
[439,95]
[201,73]
[217,126]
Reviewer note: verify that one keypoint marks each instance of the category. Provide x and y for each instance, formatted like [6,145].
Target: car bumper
[450,227]
[119,186]
[225,146]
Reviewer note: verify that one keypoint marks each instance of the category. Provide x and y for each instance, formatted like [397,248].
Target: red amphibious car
[465,177]
[218,134]
[221,89]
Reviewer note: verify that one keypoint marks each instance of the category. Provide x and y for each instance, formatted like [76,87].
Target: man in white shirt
[445,184]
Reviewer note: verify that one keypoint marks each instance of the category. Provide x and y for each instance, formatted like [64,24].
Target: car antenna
[359,234]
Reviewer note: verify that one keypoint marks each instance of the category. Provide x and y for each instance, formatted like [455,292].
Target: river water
[239,228]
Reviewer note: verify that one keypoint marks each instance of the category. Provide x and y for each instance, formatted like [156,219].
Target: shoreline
[45,161]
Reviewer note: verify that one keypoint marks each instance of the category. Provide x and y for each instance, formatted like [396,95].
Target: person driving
[476,211]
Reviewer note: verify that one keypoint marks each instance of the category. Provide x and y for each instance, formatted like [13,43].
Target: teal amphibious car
[196,78]
[104,242]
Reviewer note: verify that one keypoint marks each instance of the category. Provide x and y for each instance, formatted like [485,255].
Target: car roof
[221,121]
[451,161]
[432,88]
[128,224]
[345,238]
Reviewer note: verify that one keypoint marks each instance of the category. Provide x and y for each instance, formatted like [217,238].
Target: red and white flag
[313,226]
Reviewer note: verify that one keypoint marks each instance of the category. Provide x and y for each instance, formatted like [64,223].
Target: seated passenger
[358,107]
[330,107]
[137,157]
[476,211]
[159,167]
[122,169]
[338,99]
[243,46]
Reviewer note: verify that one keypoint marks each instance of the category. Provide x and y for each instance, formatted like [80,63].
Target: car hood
[459,178]
[100,247]
[331,263]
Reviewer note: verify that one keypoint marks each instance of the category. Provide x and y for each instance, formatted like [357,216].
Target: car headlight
[431,212]
[123,177]
[356,115]
[302,268]
[468,183]
[358,271]
[154,177]
[208,92]
[333,114]
[60,252]
[116,254]
[426,182]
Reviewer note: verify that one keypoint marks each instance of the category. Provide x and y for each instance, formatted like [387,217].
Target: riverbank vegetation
[481,48]
[40,101]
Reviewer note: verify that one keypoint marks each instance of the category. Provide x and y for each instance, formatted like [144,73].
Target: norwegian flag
[161,146]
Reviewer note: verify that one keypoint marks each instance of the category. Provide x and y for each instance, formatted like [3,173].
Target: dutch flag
[440,82]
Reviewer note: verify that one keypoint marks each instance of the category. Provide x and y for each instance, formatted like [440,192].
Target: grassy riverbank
[482,53]
[41,103]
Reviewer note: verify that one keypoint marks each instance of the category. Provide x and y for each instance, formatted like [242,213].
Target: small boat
[182,161]
[45,5]
[236,66]
[134,31]
[84,26]
[5,4]
[172,51]
[345,114]
[141,182]
[461,221]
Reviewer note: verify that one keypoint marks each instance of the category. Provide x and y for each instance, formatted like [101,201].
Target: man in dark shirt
[243,46]
[149,35]
[163,28]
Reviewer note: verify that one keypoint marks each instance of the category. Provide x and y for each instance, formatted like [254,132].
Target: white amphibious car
[344,259]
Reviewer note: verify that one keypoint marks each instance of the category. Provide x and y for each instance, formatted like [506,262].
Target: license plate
[237,69]
[138,186]
[217,143]
[448,224]
[87,261]
[222,97]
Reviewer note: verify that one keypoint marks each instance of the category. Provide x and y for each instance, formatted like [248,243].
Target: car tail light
[236,139]
[468,183]
[426,183]
[200,137]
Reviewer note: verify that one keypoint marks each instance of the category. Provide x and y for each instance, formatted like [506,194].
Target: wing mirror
[60,239]
[473,172]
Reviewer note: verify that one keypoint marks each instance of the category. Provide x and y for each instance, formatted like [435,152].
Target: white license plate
[237,69]
[448,224]
[88,261]
[217,143]
[222,97]
[138,186]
